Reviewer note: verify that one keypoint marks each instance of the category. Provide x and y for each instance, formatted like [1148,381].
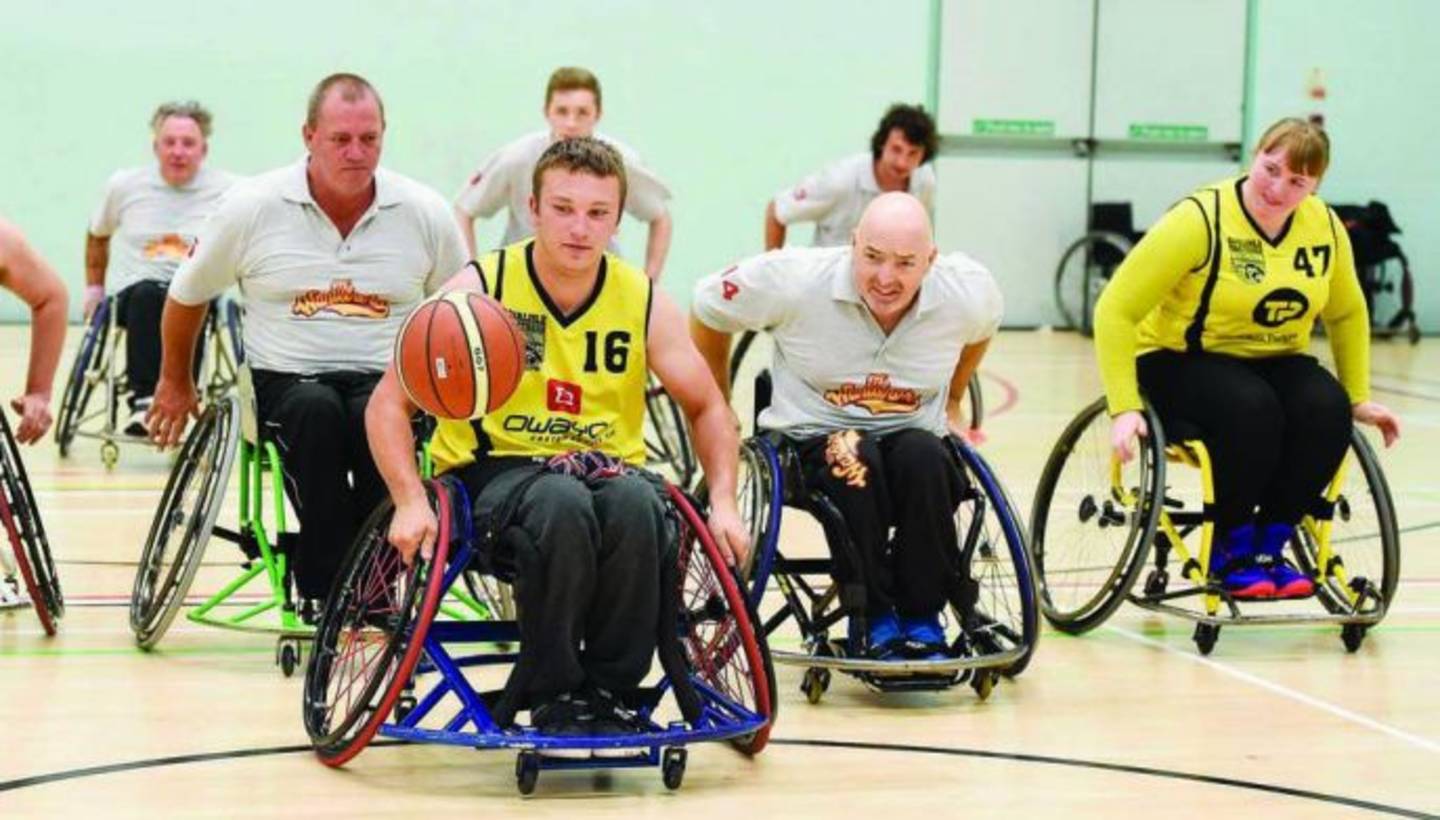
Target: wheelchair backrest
[1370,227]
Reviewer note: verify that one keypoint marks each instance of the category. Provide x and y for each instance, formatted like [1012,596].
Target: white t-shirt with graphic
[834,367]
[316,301]
[152,224]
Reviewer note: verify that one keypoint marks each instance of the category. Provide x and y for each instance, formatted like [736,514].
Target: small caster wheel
[527,771]
[403,707]
[1205,637]
[983,683]
[110,454]
[1353,635]
[814,684]
[288,656]
[1156,582]
[672,767]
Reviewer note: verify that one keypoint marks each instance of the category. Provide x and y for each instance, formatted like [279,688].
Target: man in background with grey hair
[150,215]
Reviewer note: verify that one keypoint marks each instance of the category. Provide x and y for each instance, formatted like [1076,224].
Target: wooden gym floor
[1126,721]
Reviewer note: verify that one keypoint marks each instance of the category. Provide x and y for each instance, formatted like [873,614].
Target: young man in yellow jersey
[1211,314]
[583,537]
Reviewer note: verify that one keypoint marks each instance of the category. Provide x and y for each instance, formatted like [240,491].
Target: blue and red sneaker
[1233,560]
[1289,581]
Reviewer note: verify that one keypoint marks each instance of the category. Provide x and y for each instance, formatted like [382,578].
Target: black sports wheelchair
[992,610]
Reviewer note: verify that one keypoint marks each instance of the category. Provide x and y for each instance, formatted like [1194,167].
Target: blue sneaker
[925,637]
[884,632]
[1289,581]
[1233,559]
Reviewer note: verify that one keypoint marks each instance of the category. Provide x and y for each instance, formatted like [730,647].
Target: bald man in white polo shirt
[899,160]
[331,254]
[874,344]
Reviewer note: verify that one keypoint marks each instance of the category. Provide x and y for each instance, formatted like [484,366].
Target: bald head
[892,253]
[895,220]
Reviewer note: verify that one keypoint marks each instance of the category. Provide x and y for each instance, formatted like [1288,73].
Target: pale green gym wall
[1382,75]
[728,101]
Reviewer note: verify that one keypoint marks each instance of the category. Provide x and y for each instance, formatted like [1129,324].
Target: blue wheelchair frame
[884,674]
[718,717]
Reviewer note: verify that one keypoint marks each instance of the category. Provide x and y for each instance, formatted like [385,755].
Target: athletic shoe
[563,716]
[1242,571]
[883,634]
[136,425]
[1289,581]
[612,718]
[924,637]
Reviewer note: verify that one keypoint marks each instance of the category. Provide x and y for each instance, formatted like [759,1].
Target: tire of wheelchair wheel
[1141,538]
[20,518]
[336,741]
[214,439]
[78,388]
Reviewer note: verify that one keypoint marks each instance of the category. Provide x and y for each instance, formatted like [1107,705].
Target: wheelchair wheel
[372,633]
[184,520]
[1364,566]
[976,398]
[21,521]
[992,547]
[758,498]
[667,437]
[1094,520]
[750,357]
[1084,269]
[80,384]
[721,644]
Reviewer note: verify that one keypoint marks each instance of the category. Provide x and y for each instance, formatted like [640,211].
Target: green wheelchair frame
[204,466]
[1144,513]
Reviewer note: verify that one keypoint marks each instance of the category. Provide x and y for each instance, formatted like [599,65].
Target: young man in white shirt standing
[572,109]
[899,160]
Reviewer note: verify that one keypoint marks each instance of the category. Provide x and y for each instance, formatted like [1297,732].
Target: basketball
[459,354]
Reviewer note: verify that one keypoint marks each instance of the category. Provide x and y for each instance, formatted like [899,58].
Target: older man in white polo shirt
[331,254]
[572,109]
[873,344]
[900,152]
[149,217]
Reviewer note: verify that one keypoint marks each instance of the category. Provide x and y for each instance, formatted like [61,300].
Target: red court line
[1012,393]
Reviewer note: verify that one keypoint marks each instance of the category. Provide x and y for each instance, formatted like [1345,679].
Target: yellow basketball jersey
[583,383]
[1251,296]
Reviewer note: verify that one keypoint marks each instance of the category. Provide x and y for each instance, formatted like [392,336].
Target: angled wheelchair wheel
[757,495]
[992,547]
[722,646]
[975,396]
[1084,269]
[750,357]
[84,376]
[20,518]
[372,634]
[184,521]
[1094,520]
[497,596]
[1359,573]
[667,436]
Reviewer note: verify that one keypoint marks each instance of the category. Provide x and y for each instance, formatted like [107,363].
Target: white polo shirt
[152,224]
[834,367]
[315,301]
[505,179]
[834,198]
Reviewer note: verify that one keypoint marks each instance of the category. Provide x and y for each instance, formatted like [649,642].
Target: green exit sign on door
[1015,128]
[1165,132]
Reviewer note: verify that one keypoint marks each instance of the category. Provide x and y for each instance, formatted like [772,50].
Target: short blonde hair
[1306,145]
[572,78]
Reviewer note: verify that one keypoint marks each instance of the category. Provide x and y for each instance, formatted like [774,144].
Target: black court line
[1120,768]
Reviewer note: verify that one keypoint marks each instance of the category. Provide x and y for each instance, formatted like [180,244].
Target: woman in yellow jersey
[1211,316]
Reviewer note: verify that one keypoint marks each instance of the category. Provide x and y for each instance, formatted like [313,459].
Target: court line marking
[983,754]
[1285,691]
